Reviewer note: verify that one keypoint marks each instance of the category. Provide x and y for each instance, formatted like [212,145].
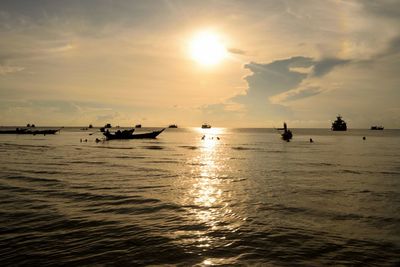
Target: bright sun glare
[207,49]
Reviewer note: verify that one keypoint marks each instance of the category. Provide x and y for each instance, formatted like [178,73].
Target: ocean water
[248,198]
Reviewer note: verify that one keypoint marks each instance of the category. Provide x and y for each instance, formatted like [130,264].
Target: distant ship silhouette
[339,124]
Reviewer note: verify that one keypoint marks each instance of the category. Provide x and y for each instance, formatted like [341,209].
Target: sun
[207,49]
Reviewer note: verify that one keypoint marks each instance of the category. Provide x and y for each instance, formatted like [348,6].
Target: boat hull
[24,131]
[152,135]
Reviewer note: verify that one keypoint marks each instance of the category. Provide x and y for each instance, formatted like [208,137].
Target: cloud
[383,8]
[392,48]
[275,77]
[272,85]
[4,69]
[324,66]
[296,94]
[236,51]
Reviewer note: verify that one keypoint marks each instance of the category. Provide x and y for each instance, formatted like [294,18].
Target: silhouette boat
[377,128]
[339,124]
[28,131]
[138,126]
[15,131]
[173,126]
[287,134]
[44,132]
[128,134]
[205,126]
[107,126]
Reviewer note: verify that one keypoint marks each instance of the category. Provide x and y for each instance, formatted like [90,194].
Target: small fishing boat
[16,131]
[287,134]
[44,132]
[128,134]
[138,126]
[107,126]
[205,126]
[28,131]
[379,128]
[173,126]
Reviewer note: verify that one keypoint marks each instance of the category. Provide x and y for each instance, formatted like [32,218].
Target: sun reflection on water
[208,193]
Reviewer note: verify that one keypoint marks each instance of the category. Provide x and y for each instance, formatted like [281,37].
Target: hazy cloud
[324,66]
[271,84]
[393,47]
[275,77]
[237,51]
[296,94]
[384,8]
[9,69]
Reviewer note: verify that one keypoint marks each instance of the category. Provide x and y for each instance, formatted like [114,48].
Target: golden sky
[229,63]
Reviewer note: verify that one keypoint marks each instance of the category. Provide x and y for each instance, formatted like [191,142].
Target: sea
[201,197]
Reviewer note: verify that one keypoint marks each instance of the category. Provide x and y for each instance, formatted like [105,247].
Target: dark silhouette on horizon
[28,131]
[287,134]
[128,134]
[339,124]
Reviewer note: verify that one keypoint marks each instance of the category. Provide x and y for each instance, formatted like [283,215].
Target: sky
[75,63]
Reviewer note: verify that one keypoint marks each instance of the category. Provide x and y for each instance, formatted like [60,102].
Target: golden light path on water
[210,192]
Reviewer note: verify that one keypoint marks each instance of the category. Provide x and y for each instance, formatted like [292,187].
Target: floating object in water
[364,138]
[287,134]
[311,141]
[377,128]
[205,126]
[173,126]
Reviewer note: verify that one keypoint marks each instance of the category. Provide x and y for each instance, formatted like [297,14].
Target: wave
[8,145]
[111,147]
[153,147]
[33,179]
[244,148]
[350,171]
[131,157]
[190,147]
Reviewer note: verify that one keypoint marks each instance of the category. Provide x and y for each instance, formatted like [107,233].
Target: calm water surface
[248,198]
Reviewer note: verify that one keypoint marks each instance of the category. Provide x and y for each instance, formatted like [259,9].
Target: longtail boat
[128,134]
[28,131]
